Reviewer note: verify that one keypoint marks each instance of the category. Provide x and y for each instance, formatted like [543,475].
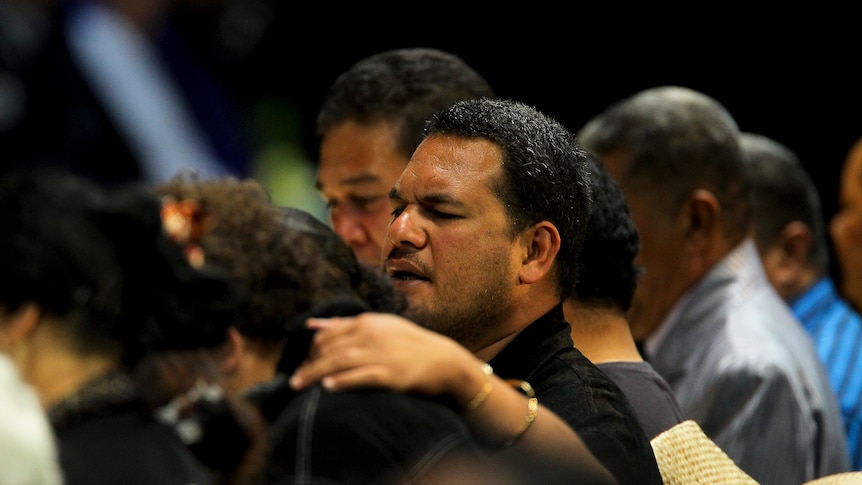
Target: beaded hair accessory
[184,223]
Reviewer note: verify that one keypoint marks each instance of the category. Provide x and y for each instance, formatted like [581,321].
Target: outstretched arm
[384,350]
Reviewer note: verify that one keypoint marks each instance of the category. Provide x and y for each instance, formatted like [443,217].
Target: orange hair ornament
[184,223]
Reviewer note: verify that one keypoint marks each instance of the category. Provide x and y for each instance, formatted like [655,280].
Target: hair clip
[187,412]
[184,223]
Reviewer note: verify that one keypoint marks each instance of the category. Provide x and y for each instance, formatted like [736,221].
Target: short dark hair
[400,86]
[783,192]
[545,173]
[608,274]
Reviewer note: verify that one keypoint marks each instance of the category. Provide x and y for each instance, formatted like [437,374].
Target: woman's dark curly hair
[100,261]
[289,261]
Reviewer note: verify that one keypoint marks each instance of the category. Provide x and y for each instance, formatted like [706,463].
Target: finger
[330,322]
[322,363]
[356,378]
[318,323]
[333,345]
[330,329]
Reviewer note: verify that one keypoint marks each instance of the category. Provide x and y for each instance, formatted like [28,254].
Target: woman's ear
[230,360]
[541,243]
[20,323]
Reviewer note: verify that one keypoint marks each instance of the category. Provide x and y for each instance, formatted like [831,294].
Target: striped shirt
[836,329]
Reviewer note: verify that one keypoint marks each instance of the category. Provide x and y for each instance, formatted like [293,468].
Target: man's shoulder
[577,382]
[572,366]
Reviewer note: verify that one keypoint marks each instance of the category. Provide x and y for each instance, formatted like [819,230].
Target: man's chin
[419,314]
[411,287]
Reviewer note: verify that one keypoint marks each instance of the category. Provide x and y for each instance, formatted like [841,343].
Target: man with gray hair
[737,359]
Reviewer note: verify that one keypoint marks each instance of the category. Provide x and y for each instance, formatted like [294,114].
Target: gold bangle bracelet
[486,389]
[532,409]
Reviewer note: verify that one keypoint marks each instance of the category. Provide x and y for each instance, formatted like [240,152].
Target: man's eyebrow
[395,195]
[440,199]
[356,180]
[429,199]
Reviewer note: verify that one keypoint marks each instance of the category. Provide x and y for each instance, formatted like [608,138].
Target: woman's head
[288,261]
[290,264]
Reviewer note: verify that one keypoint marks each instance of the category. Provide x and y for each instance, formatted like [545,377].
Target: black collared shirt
[570,385]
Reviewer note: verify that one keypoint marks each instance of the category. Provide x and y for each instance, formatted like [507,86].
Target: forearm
[502,419]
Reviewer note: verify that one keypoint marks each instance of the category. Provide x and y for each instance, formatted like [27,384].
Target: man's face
[449,247]
[661,254]
[846,227]
[358,166]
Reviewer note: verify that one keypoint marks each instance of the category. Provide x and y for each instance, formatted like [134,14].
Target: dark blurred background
[790,75]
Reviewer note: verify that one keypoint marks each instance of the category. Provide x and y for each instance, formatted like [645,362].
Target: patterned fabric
[837,332]
[686,455]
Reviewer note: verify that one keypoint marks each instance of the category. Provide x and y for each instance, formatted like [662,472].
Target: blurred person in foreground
[369,124]
[95,302]
[738,361]
[28,452]
[791,237]
[484,240]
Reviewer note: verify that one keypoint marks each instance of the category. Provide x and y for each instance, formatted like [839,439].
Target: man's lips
[401,270]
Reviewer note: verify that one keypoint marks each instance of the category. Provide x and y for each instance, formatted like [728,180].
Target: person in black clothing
[484,242]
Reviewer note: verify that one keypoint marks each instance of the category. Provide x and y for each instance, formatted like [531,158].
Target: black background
[790,75]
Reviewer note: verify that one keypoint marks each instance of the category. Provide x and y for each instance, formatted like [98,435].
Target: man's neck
[602,334]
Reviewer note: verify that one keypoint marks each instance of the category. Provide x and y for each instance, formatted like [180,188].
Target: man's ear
[541,243]
[702,215]
[786,260]
[795,241]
